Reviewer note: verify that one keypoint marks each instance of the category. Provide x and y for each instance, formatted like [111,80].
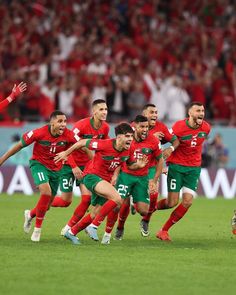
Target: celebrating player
[109,154]
[16,91]
[88,128]
[136,182]
[48,140]
[184,166]
[159,130]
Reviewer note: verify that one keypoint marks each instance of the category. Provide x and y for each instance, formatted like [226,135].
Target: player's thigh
[124,184]
[175,179]
[84,190]
[105,189]
[39,173]
[191,178]
[66,179]
[140,190]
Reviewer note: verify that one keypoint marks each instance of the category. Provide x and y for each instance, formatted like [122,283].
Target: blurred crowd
[128,52]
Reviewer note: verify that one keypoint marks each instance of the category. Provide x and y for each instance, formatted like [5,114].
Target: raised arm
[16,148]
[16,91]
[62,156]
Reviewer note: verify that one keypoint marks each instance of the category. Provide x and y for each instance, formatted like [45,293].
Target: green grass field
[200,260]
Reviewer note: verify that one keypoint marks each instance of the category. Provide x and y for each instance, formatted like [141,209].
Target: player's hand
[152,186]
[159,135]
[60,157]
[78,173]
[167,152]
[18,89]
[142,162]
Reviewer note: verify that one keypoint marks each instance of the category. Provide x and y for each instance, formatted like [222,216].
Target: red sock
[80,210]
[162,204]
[33,212]
[106,208]
[82,224]
[111,220]
[41,209]
[152,206]
[59,202]
[175,216]
[124,212]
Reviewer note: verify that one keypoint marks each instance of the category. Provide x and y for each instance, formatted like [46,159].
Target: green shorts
[151,172]
[137,186]
[182,176]
[42,174]
[67,179]
[90,181]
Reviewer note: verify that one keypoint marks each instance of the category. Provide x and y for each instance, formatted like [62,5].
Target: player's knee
[143,212]
[172,203]
[187,203]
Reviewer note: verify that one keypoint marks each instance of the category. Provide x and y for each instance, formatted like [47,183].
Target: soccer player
[109,154]
[16,91]
[184,166]
[161,131]
[92,127]
[48,140]
[136,182]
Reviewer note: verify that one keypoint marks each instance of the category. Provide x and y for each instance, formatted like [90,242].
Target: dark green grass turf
[200,260]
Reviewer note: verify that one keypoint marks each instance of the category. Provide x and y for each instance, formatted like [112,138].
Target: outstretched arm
[62,156]
[16,91]
[16,148]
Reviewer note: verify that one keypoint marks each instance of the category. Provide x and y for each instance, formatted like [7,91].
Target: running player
[136,182]
[88,128]
[48,140]
[109,154]
[184,166]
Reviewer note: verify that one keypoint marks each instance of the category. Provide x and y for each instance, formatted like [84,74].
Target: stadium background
[127,52]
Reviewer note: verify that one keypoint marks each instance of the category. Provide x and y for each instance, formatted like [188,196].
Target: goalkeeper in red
[16,91]
[184,166]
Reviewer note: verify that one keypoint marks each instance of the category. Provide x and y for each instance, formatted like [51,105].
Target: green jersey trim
[87,143]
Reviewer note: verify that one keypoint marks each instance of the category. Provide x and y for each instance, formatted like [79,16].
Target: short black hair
[55,114]
[97,101]
[148,105]
[195,103]
[123,128]
[140,118]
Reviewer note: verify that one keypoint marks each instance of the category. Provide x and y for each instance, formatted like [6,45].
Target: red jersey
[46,146]
[84,129]
[189,152]
[150,147]
[168,136]
[161,127]
[106,158]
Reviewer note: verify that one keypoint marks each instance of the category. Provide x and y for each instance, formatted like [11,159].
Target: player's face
[152,114]
[100,111]
[58,125]
[196,114]
[141,130]
[124,140]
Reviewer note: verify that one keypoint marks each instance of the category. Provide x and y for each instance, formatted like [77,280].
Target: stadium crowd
[128,52]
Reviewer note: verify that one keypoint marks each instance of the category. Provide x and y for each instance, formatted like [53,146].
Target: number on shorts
[122,189]
[41,176]
[173,184]
[66,184]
